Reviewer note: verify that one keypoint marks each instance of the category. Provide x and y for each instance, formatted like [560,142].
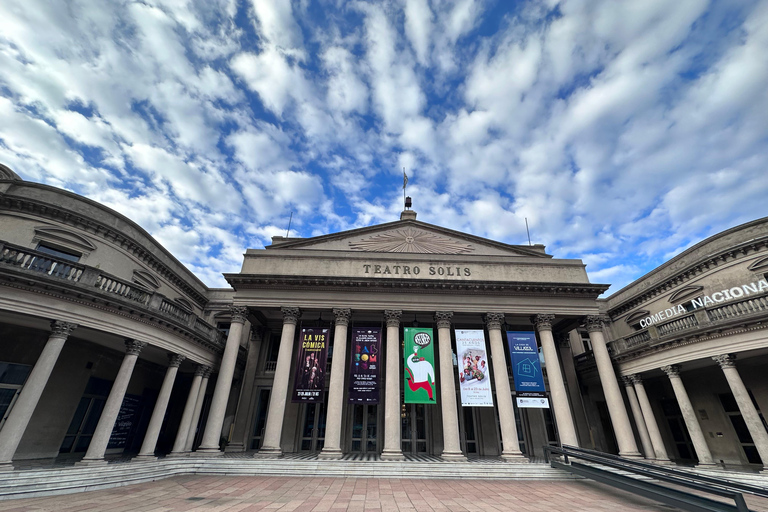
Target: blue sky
[624,131]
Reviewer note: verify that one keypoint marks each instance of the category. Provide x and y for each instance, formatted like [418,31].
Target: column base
[177,455]
[234,448]
[91,463]
[330,454]
[6,466]
[707,465]
[144,458]
[664,462]
[631,455]
[453,456]
[207,452]
[392,455]
[268,453]
[515,457]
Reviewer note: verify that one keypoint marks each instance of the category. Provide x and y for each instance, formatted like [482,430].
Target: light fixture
[402,411]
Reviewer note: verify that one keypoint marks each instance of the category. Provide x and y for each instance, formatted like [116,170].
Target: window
[58,253]
[12,378]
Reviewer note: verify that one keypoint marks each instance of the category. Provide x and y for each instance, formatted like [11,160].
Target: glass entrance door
[365,420]
[313,426]
[413,436]
[469,444]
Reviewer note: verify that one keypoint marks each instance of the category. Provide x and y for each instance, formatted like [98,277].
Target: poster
[364,365]
[474,370]
[526,368]
[124,421]
[309,383]
[419,374]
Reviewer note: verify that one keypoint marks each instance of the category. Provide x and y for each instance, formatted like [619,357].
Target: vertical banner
[526,369]
[309,382]
[419,354]
[364,365]
[474,371]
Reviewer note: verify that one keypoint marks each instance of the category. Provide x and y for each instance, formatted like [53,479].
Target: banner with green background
[419,355]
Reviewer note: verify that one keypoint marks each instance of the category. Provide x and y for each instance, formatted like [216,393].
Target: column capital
[627,381]
[725,360]
[257,332]
[393,317]
[543,322]
[672,370]
[494,320]
[133,347]
[635,378]
[563,340]
[175,360]
[443,319]
[60,329]
[239,314]
[342,315]
[595,323]
[201,370]
[208,372]
[291,314]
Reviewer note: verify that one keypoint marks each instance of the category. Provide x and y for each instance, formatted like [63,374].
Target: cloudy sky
[624,131]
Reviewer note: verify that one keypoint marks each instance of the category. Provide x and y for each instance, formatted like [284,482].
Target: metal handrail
[668,495]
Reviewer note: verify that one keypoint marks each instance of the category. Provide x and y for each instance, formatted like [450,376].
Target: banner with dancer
[364,365]
[419,354]
[474,372]
[309,383]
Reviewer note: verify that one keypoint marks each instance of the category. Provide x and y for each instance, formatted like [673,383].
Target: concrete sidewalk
[238,493]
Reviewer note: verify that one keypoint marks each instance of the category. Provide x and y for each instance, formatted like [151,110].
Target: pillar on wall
[198,410]
[243,413]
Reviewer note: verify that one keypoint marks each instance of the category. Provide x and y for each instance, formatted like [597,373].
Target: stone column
[650,421]
[199,400]
[243,413]
[274,428]
[100,439]
[689,416]
[186,416]
[562,410]
[25,405]
[451,442]
[212,434]
[756,429]
[622,428]
[510,443]
[645,438]
[147,451]
[332,446]
[392,446]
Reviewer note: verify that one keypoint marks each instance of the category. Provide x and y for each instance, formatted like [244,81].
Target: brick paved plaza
[234,494]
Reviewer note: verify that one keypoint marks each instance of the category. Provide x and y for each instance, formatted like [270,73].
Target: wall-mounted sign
[474,371]
[364,365]
[419,375]
[309,383]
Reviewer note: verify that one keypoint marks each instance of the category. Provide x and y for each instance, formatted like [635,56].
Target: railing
[270,366]
[597,469]
[40,262]
[122,288]
[734,309]
[637,339]
[204,327]
[678,324]
[175,311]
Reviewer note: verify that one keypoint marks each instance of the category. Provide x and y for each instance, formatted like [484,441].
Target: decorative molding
[342,315]
[208,372]
[494,320]
[411,240]
[290,315]
[684,293]
[145,279]
[759,265]
[65,237]
[725,360]
[594,323]
[61,329]
[184,304]
[627,380]
[543,322]
[393,317]
[443,319]
[637,316]
[636,379]
[133,347]
[672,370]
[174,360]
[239,314]
[201,369]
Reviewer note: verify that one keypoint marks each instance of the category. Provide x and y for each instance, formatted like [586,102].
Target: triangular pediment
[408,236]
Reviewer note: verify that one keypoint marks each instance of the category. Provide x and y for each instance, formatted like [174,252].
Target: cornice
[306,283]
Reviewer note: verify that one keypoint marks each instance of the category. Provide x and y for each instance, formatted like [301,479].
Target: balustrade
[678,324]
[35,261]
[175,311]
[734,309]
[637,339]
[122,288]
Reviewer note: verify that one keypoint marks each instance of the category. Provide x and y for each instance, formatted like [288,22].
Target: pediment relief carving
[637,316]
[411,240]
[684,293]
[145,279]
[64,237]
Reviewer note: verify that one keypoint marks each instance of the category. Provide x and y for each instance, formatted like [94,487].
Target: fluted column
[274,427]
[451,441]
[212,433]
[756,429]
[622,428]
[186,416]
[509,441]
[147,451]
[100,439]
[650,420]
[563,416]
[689,416]
[239,432]
[199,400]
[332,446]
[645,438]
[392,446]
[18,419]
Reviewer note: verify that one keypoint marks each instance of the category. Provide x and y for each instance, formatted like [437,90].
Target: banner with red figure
[419,352]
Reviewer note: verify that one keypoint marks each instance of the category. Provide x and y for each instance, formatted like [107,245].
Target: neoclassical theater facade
[111,348]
